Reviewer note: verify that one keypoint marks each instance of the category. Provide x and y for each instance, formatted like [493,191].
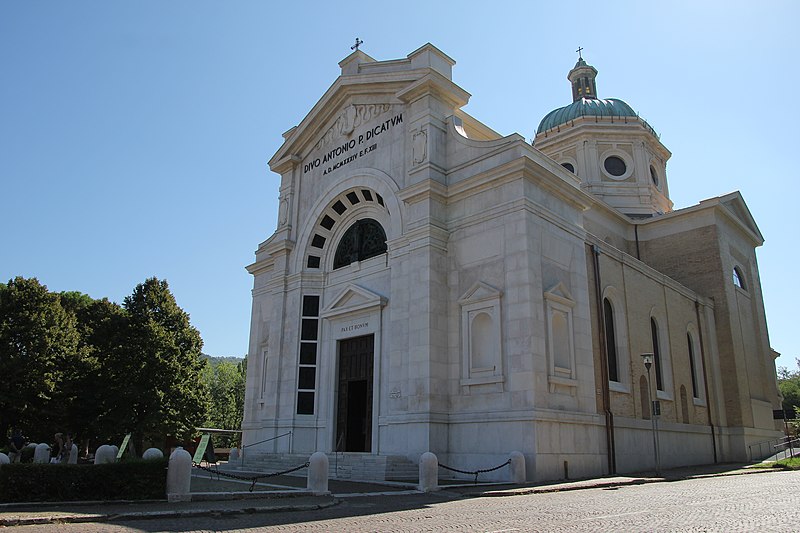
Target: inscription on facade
[349,148]
[354,327]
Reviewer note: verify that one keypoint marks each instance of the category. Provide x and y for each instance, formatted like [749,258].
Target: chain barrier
[475,472]
[253,479]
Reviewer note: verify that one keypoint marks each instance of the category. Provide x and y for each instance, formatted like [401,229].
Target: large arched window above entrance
[363,240]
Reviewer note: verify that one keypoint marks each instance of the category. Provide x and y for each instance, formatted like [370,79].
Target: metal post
[648,361]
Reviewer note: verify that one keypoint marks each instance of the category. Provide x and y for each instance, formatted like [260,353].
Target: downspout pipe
[705,379]
[610,444]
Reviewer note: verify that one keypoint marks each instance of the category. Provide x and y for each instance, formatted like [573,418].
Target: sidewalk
[291,496]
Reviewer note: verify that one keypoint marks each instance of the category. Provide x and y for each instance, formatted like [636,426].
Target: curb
[610,484]
[145,515]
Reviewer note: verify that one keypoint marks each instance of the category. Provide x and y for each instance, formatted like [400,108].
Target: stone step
[355,466]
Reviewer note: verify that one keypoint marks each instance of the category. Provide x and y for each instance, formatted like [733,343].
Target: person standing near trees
[15,445]
[66,449]
[57,450]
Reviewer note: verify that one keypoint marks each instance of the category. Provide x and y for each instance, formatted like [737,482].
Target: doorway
[354,395]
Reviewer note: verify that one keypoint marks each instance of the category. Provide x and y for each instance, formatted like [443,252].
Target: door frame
[369,392]
[354,312]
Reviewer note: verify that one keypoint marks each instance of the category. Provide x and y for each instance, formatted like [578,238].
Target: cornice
[286,164]
[424,190]
[435,84]
[646,270]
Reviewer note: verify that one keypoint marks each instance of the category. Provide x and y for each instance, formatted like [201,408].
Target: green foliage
[99,370]
[156,372]
[226,383]
[789,384]
[790,463]
[129,480]
[38,341]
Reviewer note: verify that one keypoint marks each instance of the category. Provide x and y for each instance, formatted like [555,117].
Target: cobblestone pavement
[760,502]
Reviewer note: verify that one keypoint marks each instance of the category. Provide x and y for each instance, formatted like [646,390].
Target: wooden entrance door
[354,395]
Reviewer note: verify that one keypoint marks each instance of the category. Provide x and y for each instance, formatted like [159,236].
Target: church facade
[435,286]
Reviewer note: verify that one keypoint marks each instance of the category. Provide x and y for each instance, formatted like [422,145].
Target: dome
[588,107]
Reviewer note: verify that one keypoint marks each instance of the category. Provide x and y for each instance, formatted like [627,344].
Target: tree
[226,383]
[156,369]
[101,325]
[38,339]
[789,385]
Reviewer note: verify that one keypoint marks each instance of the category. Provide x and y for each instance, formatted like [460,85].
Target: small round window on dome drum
[569,167]
[615,165]
[654,175]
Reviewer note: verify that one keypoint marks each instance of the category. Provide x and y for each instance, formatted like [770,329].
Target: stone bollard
[42,453]
[152,453]
[517,467]
[104,454]
[234,456]
[179,476]
[4,460]
[428,472]
[73,455]
[318,474]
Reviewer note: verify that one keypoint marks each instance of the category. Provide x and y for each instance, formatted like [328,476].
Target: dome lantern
[582,78]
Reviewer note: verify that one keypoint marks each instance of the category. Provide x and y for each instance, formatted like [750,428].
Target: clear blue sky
[134,136]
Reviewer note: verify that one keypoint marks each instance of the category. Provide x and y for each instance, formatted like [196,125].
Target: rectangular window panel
[305,403]
[353,197]
[318,241]
[307,377]
[327,222]
[308,331]
[310,305]
[308,353]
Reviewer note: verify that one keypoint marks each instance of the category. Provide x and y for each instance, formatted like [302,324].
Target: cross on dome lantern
[359,42]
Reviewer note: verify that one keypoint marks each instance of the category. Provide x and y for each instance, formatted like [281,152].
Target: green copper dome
[587,107]
[585,103]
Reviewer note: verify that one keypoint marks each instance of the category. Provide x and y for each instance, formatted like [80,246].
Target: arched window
[561,344]
[656,354]
[362,240]
[692,367]
[611,341]
[482,338]
[738,278]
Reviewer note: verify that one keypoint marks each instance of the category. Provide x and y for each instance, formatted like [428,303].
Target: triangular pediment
[737,208]
[559,292]
[353,298]
[479,291]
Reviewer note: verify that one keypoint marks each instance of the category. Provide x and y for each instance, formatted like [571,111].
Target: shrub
[129,480]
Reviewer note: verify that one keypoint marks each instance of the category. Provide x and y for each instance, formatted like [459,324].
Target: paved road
[757,502]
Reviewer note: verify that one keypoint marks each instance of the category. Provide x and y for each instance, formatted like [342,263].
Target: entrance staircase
[347,465]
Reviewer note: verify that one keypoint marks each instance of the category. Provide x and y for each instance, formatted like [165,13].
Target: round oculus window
[654,175]
[569,167]
[615,166]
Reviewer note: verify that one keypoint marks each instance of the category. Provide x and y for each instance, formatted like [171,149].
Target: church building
[435,286]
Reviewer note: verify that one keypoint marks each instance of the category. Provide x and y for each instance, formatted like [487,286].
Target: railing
[789,446]
[289,433]
[768,448]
